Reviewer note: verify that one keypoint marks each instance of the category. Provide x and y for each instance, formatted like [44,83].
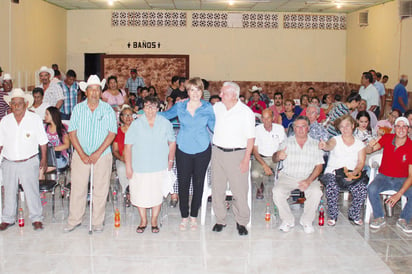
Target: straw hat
[93,80]
[19,93]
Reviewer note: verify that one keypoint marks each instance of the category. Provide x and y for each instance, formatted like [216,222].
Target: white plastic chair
[374,163]
[207,191]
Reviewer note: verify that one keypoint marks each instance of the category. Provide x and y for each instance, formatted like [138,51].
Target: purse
[342,173]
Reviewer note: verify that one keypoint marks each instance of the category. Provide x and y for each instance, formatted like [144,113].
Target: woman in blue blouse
[193,148]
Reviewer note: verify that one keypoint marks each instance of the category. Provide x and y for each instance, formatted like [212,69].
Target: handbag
[168,182]
[342,173]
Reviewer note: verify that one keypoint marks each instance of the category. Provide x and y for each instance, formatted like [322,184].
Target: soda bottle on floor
[21,217]
[267,214]
[321,215]
[117,218]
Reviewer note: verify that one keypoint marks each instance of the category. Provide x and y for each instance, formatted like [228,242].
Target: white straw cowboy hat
[48,70]
[6,77]
[19,93]
[255,88]
[93,80]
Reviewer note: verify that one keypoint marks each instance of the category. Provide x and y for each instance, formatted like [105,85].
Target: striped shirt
[70,97]
[132,85]
[300,162]
[52,94]
[93,127]
[338,111]
[4,107]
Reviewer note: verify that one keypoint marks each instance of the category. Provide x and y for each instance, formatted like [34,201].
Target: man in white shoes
[395,173]
[302,164]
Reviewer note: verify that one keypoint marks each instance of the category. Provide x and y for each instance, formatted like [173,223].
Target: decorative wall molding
[249,20]
[149,19]
[138,18]
[314,21]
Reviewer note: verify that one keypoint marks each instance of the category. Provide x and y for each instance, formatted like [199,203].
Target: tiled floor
[340,249]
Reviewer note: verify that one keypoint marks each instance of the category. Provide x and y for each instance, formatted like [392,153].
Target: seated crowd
[307,144]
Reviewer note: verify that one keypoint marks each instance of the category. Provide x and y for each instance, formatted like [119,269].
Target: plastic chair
[207,191]
[374,163]
[51,181]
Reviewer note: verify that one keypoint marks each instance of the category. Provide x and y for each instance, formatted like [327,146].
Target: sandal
[140,229]
[183,224]
[193,224]
[155,229]
[331,222]
[356,222]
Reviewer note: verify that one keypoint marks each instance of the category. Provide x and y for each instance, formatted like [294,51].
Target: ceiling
[325,6]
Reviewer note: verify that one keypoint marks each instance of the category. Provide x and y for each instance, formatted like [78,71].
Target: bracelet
[171,161]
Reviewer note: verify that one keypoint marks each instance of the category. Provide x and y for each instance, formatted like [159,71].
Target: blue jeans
[382,183]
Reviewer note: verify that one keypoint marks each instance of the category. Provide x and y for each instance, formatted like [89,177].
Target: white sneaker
[285,227]
[402,224]
[308,228]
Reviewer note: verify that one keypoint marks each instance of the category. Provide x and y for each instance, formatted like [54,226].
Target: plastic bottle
[21,217]
[321,215]
[117,218]
[267,214]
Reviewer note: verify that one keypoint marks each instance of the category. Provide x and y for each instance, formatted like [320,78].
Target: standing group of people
[222,136]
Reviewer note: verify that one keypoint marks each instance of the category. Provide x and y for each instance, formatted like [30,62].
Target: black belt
[229,149]
[24,160]
[263,156]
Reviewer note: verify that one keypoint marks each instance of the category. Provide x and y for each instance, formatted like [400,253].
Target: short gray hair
[301,118]
[314,106]
[234,87]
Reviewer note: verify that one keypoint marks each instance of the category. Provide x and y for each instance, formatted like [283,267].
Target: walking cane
[91,199]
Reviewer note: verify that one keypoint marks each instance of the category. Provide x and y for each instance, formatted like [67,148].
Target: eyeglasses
[401,127]
[150,107]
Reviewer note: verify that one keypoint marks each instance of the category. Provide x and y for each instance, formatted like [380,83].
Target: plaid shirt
[132,85]
[70,97]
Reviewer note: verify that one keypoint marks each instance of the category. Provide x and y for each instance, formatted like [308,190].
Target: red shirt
[395,162]
[254,108]
[120,140]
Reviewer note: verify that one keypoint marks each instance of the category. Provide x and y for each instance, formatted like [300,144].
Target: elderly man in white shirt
[233,140]
[21,133]
[269,136]
[302,164]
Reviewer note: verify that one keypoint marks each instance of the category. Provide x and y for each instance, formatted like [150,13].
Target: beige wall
[385,44]
[38,37]
[217,54]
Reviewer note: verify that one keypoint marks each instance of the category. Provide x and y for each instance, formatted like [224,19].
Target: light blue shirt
[193,136]
[93,127]
[150,145]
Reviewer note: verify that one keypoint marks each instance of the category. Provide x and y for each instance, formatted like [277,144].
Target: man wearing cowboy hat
[263,96]
[256,104]
[53,93]
[92,129]
[21,133]
[7,87]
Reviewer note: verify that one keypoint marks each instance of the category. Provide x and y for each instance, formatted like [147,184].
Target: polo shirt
[395,162]
[233,127]
[92,128]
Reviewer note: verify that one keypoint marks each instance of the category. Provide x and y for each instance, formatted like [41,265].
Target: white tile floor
[340,249]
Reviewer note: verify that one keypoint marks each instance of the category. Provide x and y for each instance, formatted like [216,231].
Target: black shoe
[241,229]
[218,227]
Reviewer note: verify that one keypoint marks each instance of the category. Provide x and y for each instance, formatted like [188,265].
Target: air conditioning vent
[363,19]
[405,8]
[234,20]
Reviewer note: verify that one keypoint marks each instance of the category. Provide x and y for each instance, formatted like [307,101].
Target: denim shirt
[193,136]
